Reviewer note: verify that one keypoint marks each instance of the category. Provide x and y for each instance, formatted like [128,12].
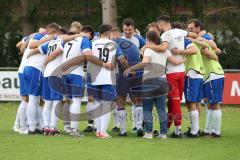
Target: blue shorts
[49,92]
[104,92]
[213,90]
[33,78]
[193,89]
[124,84]
[90,88]
[23,85]
[73,85]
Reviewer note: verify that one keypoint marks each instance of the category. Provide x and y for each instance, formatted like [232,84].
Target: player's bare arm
[189,51]
[73,62]
[192,35]
[35,44]
[19,44]
[146,60]
[158,48]
[176,61]
[33,52]
[89,57]
[209,54]
[67,38]
[53,55]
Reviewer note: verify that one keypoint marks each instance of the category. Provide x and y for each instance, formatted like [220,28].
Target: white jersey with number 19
[107,51]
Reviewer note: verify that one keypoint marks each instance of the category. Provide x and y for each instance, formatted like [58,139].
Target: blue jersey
[207,36]
[141,40]
[130,51]
[187,42]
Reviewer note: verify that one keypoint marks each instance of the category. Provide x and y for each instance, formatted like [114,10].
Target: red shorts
[176,80]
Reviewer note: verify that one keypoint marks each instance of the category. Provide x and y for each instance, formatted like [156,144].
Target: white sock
[134,116]
[75,112]
[22,114]
[106,116]
[66,115]
[139,116]
[178,130]
[116,117]
[54,118]
[90,107]
[209,121]
[32,112]
[217,118]
[195,121]
[17,120]
[40,118]
[98,115]
[47,110]
[122,118]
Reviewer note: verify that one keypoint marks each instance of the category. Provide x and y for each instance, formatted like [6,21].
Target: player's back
[71,50]
[36,61]
[106,51]
[175,38]
[51,66]
[130,51]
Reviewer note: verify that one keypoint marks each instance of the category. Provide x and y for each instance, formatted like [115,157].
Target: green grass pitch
[39,147]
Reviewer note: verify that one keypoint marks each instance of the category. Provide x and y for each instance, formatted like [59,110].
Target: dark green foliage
[222,23]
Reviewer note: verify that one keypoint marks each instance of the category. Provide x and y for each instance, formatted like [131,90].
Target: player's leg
[174,106]
[23,105]
[90,117]
[148,118]
[66,104]
[138,105]
[23,116]
[77,90]
[40,125]
[193,96]
[162,116]
[217,86]
[90,106]
[122,115]
[109,97]
[209,118]
[47,109]
[34,83]
[56,97]
[16,125]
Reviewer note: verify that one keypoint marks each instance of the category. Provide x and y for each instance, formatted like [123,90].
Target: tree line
[22,17]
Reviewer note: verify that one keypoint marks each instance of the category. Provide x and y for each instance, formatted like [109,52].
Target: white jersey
[175,39]
[47,49]
[24,60]
[36,61]
[100,49]
[76,48]
[157,66]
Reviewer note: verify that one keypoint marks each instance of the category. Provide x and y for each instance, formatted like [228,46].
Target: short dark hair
[128,22]
[153,36]
[105,28]
[63,30]
[196,22]
[178,25]
[88,28]
[164,18]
